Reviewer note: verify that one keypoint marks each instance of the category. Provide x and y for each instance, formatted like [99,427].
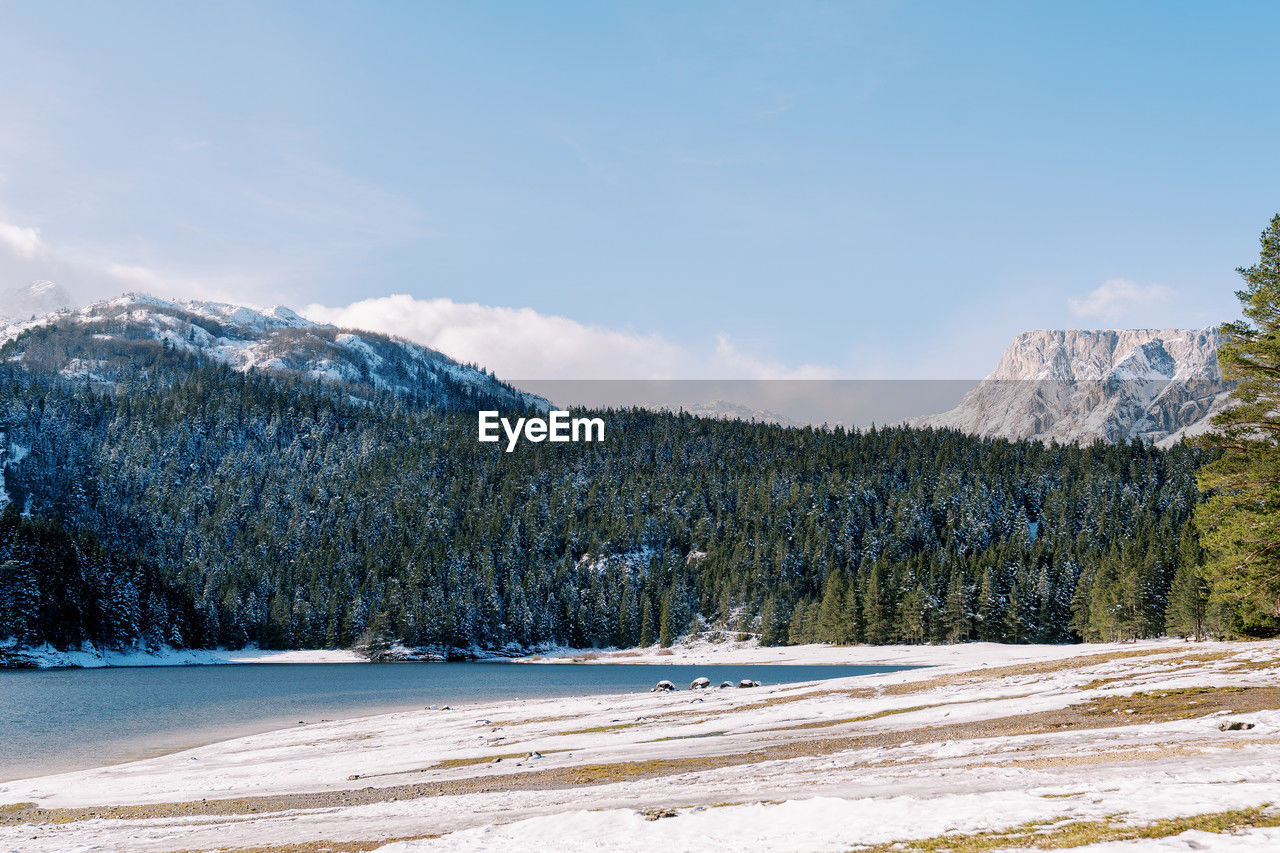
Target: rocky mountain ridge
[1077,386]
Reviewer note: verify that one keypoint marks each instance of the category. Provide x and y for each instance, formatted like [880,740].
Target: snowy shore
[1104,741]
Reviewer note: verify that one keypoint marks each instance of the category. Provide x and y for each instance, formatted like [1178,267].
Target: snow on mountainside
[275,340]
[1077,386]
[725,410]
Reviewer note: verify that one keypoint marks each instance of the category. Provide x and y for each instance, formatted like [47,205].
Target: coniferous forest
[183,503]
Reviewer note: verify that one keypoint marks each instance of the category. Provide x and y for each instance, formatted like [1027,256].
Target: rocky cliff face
[1156,385]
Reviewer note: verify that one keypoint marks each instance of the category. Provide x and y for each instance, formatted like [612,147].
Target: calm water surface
[57,720]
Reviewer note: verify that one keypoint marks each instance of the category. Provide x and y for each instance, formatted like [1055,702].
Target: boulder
[700,684]
[1234,726]
[663,686]
[725,684]
[747,682]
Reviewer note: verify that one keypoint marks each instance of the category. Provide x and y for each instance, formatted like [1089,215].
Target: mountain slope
[1077,386]
[100,341]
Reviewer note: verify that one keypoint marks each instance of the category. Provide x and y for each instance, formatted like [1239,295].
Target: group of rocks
[702,684]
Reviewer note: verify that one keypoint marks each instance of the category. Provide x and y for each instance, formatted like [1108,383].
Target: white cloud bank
[1118,298]
[521,343]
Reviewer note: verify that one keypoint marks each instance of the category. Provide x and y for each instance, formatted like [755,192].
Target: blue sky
[847,189]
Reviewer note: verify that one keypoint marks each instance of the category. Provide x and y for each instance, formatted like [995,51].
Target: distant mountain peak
[33,300]
[1079,385]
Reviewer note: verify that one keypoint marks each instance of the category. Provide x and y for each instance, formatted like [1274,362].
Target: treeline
[64,590]
[205,507]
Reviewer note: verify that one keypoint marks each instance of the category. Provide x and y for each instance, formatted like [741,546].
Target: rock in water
[700,684]
[663,686]
[747,682]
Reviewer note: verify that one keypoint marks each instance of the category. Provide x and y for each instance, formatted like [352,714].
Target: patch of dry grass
[608,727]
[685,737]
[1042,835]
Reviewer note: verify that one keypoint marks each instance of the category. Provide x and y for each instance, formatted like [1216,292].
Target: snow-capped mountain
[33,300]
[1077,386]
[93,341]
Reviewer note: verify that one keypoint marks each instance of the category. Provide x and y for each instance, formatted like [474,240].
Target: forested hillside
[188,504]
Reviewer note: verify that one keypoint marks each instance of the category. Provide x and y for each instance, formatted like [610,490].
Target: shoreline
[986,739]
[168,735]
[91,657]
[691,651]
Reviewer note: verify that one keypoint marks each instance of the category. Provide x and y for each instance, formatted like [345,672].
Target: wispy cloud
[734,363]
[26,256]
[25,242]
[521,343]
[1118,299]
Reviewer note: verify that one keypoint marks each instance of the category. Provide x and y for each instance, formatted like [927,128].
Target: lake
[52,721]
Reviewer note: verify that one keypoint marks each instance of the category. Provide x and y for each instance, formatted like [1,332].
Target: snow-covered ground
[90,656]
[986,739]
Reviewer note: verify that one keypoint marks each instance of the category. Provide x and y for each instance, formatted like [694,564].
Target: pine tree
[1189,595]
[648,632]
[1015,627]
[1240,523]
[912,611]
[773,630]
[832,626]
[800,627]
[957,616]
[876,626]
[666,622]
